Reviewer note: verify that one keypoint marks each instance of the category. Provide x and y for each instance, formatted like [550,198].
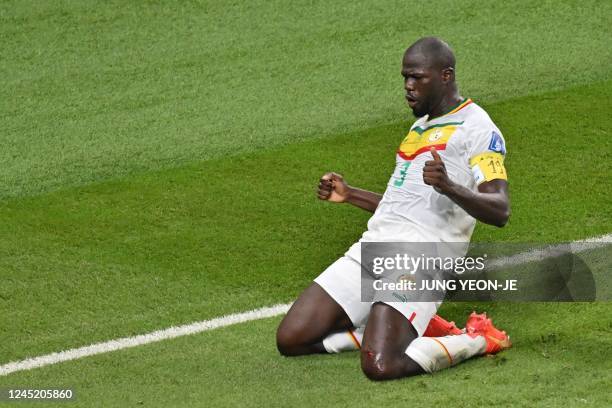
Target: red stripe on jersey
[421,150]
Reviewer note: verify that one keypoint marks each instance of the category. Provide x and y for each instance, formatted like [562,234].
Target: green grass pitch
[158,167]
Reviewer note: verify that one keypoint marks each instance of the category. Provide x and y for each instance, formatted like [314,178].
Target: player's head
[428,69]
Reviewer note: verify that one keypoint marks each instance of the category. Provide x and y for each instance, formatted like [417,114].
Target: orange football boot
[438,327]
[479,325]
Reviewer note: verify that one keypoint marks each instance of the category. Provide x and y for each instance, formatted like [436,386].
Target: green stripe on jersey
[420,129]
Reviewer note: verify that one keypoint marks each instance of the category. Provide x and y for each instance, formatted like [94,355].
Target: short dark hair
[438,52]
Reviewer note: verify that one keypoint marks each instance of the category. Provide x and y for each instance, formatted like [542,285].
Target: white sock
[344,341]
[437,353]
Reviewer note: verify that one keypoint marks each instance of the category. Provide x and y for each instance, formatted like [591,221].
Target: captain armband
[488,166]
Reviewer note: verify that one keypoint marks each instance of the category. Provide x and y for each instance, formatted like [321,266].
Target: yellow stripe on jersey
[488,166]
[421,140]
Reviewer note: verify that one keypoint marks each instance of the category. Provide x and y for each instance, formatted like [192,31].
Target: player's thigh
[331,303]
[388,332]
[387,335]
[392,326]
[313,315]
[342,282]
[419,314]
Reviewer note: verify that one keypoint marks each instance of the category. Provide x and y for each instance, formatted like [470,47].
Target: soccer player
[449,173]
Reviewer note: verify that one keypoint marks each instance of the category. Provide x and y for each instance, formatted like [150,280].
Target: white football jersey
[472,149]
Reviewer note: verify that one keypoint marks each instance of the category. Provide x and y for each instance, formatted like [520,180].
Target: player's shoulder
[419,122]
[479,130]
[474,116]
[482,133]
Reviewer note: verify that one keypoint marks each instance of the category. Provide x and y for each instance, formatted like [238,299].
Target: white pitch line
[257,314]
[551,251]
[127,342]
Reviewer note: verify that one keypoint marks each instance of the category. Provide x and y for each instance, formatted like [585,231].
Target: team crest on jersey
[435,135]
[497,143]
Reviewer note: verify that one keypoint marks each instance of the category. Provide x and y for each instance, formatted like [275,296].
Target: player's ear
[448,74]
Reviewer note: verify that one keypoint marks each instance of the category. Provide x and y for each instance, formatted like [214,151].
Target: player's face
[423,84]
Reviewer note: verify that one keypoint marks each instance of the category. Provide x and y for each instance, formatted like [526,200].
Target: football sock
[437,353]
[344,341]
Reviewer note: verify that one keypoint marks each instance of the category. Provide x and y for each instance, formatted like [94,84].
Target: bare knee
[376,366]
[382,366]
[287,340]
[293,338]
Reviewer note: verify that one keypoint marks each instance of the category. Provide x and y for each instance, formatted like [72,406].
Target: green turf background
[158,167]
[96,90]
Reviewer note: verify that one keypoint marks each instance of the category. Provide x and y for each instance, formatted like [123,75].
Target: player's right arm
[332,187]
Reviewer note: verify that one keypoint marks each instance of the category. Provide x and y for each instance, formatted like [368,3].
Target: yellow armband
[488,166]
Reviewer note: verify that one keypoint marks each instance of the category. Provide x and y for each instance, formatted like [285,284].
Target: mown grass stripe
[211,80]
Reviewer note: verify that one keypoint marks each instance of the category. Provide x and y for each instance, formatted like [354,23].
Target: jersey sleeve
[487,152]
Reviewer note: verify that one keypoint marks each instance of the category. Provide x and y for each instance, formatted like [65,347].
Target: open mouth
[411,101]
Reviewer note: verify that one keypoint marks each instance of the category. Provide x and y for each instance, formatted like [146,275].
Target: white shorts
[342,281]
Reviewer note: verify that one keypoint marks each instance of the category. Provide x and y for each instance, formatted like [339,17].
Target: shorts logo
[406,278]
[497,143]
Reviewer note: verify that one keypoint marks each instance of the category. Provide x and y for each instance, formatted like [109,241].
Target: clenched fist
[332,187]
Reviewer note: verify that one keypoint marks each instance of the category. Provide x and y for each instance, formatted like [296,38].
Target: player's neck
[446,105]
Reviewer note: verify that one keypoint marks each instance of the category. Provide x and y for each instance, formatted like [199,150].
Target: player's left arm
[490,204]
